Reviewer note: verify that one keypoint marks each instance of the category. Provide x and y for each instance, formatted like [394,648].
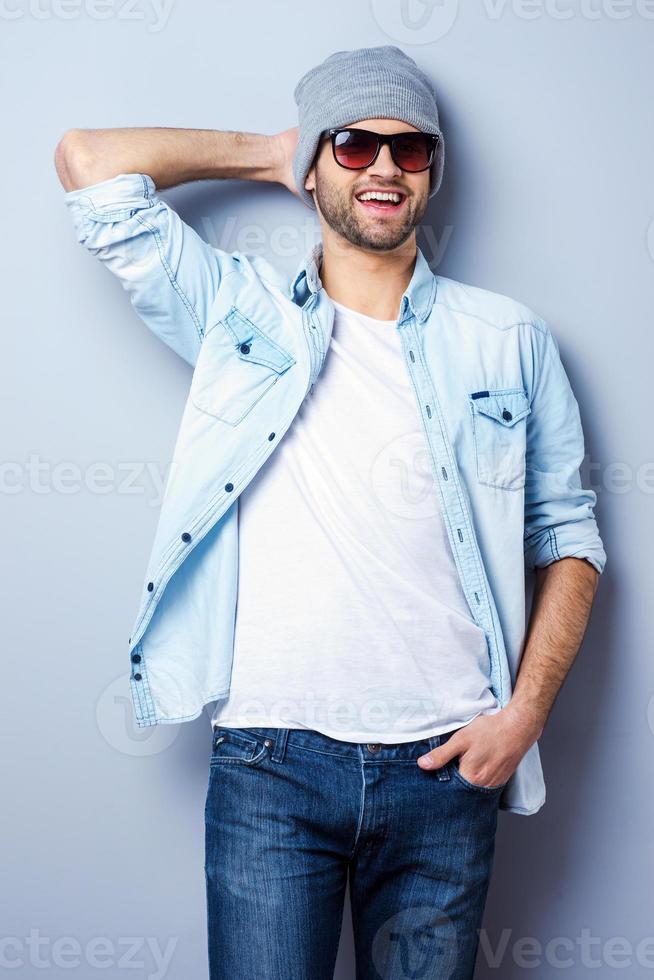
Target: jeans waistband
[319,742]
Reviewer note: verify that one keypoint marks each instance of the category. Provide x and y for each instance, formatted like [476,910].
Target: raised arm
[173,156]
[171,274]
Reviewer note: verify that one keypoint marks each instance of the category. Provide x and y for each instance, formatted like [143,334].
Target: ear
[310,177]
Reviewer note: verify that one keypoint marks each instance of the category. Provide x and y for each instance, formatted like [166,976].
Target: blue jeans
[292,814]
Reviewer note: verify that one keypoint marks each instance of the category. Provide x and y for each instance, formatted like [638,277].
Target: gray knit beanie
[367,83]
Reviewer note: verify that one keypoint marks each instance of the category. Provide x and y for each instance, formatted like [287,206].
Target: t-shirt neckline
[348,310]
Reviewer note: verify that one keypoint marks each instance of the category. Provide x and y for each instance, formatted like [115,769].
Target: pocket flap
[252,344]
[506,405]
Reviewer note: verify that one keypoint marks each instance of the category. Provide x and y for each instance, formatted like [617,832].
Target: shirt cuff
[115,194]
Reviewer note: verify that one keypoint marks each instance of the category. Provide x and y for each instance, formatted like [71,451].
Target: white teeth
[379,196]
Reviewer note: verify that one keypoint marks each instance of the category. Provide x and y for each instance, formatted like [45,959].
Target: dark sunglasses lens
[413,151]
[354,149]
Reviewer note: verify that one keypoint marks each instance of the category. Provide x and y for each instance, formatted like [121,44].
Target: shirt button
[137,677]
[229,487]
[506,414]
[245,348]
[150,586]
[136,658]
[271,436]
[374,746]
[186,536]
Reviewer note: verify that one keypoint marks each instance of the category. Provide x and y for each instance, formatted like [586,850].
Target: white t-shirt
[350,617]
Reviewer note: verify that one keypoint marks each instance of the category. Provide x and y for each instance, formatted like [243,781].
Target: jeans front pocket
[499,423]
[475,787]
[234,746]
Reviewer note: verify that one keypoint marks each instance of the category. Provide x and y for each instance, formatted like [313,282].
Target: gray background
[547,197]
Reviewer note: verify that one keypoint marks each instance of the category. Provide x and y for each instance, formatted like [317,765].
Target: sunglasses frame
[382,140]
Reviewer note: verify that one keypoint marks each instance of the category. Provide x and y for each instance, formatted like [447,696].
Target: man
[357,617]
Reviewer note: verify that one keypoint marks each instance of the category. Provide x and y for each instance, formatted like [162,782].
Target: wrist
[276,156]
[527,719]
[245,156]
[265,156]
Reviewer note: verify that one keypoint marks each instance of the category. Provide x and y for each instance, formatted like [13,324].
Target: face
[373,225]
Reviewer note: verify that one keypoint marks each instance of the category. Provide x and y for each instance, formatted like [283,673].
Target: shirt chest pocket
[237,365]
[499,423]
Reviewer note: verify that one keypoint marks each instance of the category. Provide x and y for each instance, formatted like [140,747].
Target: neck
[369,282]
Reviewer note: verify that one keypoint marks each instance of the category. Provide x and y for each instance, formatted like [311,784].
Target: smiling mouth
[389,202]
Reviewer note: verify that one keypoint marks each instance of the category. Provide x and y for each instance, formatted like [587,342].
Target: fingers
[442,754]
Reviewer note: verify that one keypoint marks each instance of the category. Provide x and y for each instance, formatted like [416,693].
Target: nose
[384,165]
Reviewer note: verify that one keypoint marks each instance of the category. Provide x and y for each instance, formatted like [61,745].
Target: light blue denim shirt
[500,422]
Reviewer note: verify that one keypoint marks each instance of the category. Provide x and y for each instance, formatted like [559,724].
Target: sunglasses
[356,149]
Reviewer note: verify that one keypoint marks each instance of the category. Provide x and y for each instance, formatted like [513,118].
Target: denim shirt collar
[419,295]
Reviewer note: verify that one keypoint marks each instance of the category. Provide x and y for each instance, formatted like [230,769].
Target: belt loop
[443,772]
[279,750]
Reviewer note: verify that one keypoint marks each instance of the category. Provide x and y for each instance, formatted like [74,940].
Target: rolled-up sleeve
[170,273]
[559,512]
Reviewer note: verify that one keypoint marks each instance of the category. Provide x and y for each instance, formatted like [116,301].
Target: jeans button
[374,746]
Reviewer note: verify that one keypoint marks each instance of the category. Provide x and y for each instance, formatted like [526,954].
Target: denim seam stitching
[172,278]
[155,720]
[554,545]
[287,357]
[361,811]
[490,323]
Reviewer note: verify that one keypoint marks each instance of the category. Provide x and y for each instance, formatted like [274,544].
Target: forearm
[170,156]
[491,746]
[563,598]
